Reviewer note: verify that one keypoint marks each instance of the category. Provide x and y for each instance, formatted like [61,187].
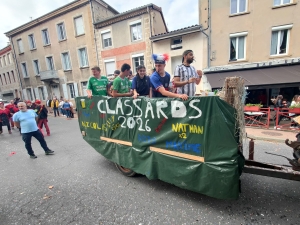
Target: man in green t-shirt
[121,85]
[97,84]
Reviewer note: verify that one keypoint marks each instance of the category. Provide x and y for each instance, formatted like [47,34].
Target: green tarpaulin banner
[192,144]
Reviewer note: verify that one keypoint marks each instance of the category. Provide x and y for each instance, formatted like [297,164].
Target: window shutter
[65,91]
[76,89]
[79,25]
[25,95]
[45,92]
[37,95]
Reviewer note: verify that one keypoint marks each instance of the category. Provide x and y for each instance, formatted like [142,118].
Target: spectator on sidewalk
[48,105]
[54,106]
[42,113]
[4,118]
[62,111]
[30,105]
[67,107]
[26,119]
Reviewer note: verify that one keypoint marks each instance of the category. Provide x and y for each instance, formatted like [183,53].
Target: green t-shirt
[121,85]
[98,86]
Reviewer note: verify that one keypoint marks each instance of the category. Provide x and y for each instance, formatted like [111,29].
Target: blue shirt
[27,121]
[142,86]
[157,81]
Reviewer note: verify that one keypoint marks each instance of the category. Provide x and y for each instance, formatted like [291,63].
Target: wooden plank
[116,141]
[178,154]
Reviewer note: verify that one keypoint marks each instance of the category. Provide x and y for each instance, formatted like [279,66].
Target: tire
[125,171]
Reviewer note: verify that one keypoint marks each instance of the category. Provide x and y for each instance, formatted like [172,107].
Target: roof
[55,13]
[129,14]
[5,49]
[182,31]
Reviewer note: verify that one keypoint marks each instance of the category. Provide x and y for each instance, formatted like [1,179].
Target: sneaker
[33,156]
[49,152]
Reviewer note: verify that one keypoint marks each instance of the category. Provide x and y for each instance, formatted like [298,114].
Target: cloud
[177,13]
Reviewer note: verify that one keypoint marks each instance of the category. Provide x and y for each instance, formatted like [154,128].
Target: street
[79,186]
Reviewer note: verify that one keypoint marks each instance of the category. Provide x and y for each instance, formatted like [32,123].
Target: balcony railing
[48,75]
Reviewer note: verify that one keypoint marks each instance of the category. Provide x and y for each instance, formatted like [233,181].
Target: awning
[274,75]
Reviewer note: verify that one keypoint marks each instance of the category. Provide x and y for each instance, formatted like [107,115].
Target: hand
[192,80]
[199,72]
[135,96]
[89,95]
[184,97]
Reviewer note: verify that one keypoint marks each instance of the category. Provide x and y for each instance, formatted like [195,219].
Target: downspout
[150,35]
[208,35]
[95,36]
[17,67]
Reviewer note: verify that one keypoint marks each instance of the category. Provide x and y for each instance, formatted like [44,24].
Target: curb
[267,139]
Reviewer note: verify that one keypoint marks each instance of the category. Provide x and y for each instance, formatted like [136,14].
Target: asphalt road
[85,188]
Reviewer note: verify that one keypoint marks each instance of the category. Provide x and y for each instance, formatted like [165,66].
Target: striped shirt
[185,73]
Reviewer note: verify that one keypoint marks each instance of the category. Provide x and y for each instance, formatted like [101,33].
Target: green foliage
[295,106]
[259,105]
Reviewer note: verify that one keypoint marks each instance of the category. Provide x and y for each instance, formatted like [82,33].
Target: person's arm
[89,93]
[89,89]
[108,90]
[150,92]
[135,94]
[198,79]
[179,83]
[166,93]
[116,94]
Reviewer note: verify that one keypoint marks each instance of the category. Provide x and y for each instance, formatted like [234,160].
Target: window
[5,78]
[41,92]
[110,67]
[4,60]
[83,60]
[49,62]
[24,69]
[106,39]
[237,46]
[136,31]
[20,46]
[83,87]
[8,75]
[29,93]
[31,42]
[176,43]
[36,67]
[9,58]
[238,6]
[13,76]
[66,61]
[1,80]
[281,2]
[280,39]
[61,32]
[45,36]
[0,62]
[137,60]
[71,90]
[79,28]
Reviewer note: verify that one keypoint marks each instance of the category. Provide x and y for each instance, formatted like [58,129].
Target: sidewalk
[271,135]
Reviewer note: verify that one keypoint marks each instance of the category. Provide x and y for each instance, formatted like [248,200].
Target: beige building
[55,52]
[9,80]
[256,40]
[124,38]
[174,43]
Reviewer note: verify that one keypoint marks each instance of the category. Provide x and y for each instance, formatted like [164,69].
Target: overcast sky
[177,13]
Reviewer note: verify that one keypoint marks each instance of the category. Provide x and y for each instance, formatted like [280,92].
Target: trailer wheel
[125,171]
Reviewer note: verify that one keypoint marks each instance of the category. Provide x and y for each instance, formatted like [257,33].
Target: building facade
[55,52]
[256,40]
[9,80]
[175,43]
[124,38]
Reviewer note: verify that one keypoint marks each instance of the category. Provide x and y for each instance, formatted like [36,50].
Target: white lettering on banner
[134,102]
[98,105]
[119,106]
[197,109]
[129,106]
[149,108]
[159,106]
[109,111]
[178,109]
